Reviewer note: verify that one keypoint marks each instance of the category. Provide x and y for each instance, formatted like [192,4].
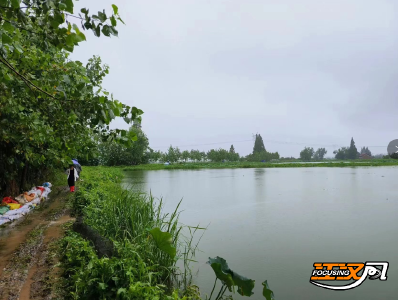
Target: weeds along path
[27,250]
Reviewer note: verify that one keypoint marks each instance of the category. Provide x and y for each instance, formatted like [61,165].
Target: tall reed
[128,215]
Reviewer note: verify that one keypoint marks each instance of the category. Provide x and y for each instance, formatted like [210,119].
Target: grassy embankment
[141,268]
[236,165]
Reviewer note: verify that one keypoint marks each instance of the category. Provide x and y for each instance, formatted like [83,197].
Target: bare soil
[28,251]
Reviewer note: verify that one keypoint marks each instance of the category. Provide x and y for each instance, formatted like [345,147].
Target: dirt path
[27,248]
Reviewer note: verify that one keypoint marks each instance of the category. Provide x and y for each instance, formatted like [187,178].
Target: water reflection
[260,194]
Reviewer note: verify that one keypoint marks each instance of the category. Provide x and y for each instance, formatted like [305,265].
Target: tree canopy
[320,154]
[218,155]
[347,152]
[352,151]
[365,150]
[258,144]
[49,105]
[232,149]
[307,153]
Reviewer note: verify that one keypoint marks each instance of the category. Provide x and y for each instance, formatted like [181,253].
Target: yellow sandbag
[14,206]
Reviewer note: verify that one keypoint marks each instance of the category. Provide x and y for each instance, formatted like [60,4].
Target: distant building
[365,156]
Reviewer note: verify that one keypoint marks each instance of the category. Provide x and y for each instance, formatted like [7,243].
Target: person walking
[78,167]
[72,177]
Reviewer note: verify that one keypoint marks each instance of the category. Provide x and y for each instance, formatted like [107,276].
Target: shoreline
[245,165]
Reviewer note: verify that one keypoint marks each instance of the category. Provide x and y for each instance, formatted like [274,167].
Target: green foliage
[341,153]
[231,279]
[320,154]
[164,241]
[154,156]
[259,152]
[51,22]
[112,153]
[347,153]
[51,106]
[173,155]
[262,156]
[232,149]
[267,293]
[222,271]
[258,144]
[127,276]
[365,150]
[196,155]
[185,155]
[146,241]
[352,151]
[306,154]
[222,155]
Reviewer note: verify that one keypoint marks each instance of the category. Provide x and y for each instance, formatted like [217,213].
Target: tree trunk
[12,189]
[23,177]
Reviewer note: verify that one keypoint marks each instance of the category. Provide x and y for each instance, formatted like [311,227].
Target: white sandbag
[26,208]
[4,220]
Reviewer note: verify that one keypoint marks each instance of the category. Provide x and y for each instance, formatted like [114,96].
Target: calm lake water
[275,223]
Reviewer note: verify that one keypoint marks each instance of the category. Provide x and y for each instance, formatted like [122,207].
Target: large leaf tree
[51,106]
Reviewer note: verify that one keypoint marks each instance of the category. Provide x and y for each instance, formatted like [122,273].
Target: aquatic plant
[230,279]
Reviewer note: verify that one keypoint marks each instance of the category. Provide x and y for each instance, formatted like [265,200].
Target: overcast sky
[306,72]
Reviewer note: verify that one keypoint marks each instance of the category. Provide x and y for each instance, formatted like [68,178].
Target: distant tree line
[308,153]
[174,154]
[110,153]
[351,152]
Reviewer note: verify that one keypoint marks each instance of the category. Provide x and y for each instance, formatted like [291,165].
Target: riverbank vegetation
[147,244]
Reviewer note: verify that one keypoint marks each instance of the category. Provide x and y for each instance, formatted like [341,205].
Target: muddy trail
[28,260]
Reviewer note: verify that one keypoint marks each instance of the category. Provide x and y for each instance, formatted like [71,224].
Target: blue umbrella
[75,161]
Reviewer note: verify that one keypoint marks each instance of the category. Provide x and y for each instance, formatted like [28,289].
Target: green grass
[140,269]
[236,165]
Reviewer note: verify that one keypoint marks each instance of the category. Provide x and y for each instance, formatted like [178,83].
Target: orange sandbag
[29,197]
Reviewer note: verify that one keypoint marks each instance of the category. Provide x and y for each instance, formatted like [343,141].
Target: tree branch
[27,82]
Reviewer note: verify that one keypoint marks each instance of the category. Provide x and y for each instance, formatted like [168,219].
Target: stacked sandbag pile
[15,208]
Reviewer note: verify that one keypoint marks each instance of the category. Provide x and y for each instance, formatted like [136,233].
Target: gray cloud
[315,72]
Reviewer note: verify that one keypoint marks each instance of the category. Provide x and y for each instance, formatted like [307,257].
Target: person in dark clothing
[72,177]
